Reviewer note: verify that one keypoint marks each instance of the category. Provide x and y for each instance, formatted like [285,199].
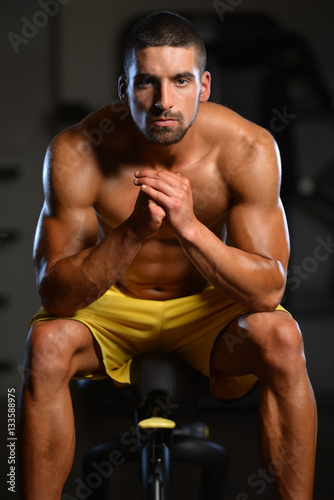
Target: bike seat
[167,375]
[150,374]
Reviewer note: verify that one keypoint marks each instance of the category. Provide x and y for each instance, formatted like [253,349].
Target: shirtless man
[132,231]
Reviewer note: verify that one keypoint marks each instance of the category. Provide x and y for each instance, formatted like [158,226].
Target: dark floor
[234,426]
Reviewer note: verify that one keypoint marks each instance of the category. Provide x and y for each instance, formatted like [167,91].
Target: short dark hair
[164,28]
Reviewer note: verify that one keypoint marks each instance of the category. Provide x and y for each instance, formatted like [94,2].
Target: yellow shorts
[187,327]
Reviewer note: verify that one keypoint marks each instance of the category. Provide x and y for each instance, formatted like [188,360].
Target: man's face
[164,88]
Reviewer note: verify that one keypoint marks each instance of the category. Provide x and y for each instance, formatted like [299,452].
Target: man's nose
[164,99]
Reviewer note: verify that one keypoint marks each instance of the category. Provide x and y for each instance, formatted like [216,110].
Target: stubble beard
[165,136]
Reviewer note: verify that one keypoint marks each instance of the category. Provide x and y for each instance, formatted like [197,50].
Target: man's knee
[49,349]
[282,350]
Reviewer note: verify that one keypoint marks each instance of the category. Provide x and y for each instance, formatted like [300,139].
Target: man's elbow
[57,310]
[267,304]
[54,304]
[269,300]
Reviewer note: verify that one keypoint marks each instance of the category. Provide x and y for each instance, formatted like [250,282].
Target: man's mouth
[164,122]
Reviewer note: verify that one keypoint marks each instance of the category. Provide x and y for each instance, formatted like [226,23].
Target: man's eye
[145,82]
[182,81]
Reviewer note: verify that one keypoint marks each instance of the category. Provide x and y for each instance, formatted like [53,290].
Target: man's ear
[206,87]
[122,89]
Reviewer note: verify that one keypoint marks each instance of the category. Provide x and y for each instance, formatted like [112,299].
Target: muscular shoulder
[247,155]
[68,170]
[105,127]
[73,170]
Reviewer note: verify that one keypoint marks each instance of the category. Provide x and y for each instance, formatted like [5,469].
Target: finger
[174,179]
[157,209]
[160,198]
[169,203]
[160,186]
[146,172]
[156,174]
[161,179]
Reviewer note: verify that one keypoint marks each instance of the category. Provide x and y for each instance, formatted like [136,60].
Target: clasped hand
[168,196]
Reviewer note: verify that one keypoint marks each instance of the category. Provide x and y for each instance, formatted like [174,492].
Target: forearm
[252,280]
[76,281]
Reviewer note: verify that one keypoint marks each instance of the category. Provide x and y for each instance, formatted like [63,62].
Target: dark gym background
[270,61]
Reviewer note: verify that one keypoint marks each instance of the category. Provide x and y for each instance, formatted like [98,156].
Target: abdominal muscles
[161,271]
